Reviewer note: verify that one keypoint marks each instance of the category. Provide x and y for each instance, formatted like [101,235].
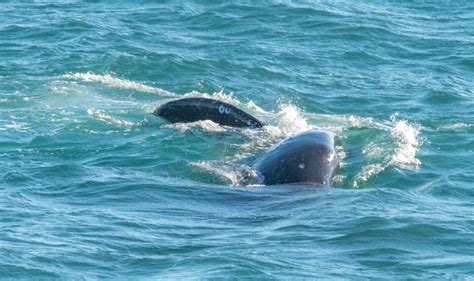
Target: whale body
[308,158]
[198,109]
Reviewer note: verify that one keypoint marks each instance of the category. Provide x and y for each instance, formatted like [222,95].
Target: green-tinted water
[93,186]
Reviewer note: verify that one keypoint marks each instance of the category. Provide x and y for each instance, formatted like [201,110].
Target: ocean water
[93,186]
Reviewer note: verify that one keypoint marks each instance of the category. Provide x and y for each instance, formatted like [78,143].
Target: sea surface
[93,186]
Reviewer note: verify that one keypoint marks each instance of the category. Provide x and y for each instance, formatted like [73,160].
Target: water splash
[400,151]
[406,137]
[290,121]
[287,122]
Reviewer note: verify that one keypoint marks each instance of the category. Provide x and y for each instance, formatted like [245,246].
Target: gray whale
[197,109]
[308,158]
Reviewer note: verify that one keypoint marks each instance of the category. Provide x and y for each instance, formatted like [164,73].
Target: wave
[111,81]
[103,116]
[406,137]
[400,152]
[455,126]
[237,175]
[19,127]
[206,125]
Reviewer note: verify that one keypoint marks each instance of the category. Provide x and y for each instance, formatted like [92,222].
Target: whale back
[198,109]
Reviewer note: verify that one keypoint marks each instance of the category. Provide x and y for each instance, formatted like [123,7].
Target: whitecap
[103,116]
[206,125]
[400,150]
[237,174]
[406,137]
[111,81]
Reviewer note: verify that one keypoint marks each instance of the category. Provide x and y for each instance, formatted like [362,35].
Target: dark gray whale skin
[197,109]
[308,158]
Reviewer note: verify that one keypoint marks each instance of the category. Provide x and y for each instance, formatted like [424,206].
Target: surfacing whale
[198,109]
[307,158]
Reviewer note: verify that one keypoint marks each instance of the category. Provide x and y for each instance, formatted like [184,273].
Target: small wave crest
[111,81]
[237,174]
[290,121]
[103,116]
[406,137]
[399,152]
[19,127]
[206,125]
[455,126]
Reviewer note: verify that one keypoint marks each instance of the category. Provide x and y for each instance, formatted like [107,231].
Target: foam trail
[111,81]
[367,172]
[101,115]
[455,126]
[206,125]
[236,174]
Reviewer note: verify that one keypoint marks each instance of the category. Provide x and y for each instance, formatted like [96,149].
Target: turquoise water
[92,185]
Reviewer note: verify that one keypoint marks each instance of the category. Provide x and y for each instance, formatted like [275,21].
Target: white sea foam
[455,126]
[290,120]
[341,154]
[74,94]
[399,152]
[236,174]
[406,137]
[367,172]
[103,116]
[287,122]
[373,150]
[19,127]
[206,125]
[111,81]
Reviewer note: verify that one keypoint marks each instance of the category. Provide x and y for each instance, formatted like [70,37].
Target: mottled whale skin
[197,109]
[308,158]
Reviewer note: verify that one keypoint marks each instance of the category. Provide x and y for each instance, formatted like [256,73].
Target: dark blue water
[92,185]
